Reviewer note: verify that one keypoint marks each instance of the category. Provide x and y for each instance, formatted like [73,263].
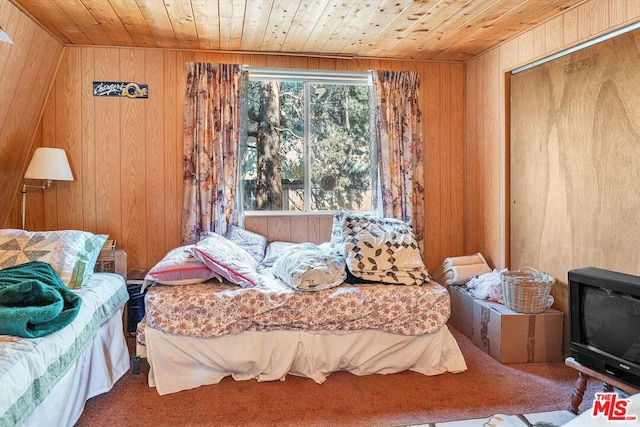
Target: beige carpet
[408,398]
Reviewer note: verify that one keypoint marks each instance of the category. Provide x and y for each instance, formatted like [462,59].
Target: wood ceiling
[443,30]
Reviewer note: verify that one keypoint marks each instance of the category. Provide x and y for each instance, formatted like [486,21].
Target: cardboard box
[511,337]
[505,335]
[461,310]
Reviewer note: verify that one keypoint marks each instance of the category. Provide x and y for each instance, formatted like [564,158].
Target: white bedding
[179,362]
[45,381]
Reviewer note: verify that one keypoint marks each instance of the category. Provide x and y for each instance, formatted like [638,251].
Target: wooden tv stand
[584,373]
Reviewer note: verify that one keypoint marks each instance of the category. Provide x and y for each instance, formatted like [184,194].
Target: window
[308,144]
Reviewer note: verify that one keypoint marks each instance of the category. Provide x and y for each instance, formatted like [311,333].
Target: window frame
[308,77]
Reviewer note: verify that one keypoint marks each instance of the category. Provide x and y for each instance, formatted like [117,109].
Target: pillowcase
[382,249]
[71,253]
[180,267]
[254,243]
[274,249]
[227,259]
[307,267]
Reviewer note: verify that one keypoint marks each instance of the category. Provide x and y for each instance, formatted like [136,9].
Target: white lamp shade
[50,164]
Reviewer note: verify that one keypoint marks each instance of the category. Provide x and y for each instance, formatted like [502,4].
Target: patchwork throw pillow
[180,267]
[71,253]
[254,243]
[227,259]
[382,249]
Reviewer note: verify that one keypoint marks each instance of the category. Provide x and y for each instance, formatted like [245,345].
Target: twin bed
[47,379]
[362,303]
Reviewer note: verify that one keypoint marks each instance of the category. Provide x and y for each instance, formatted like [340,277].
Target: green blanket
[34,302]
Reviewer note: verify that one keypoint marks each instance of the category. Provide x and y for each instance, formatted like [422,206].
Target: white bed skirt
[180,362]
[95,372]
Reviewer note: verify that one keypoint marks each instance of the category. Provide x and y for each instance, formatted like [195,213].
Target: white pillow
[274,249]
[180,267]
[254,243]
[228,260]
[307,267]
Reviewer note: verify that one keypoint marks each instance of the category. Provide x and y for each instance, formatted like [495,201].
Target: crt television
[604,322]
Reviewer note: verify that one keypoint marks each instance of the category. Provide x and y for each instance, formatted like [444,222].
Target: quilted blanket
[379,249]
[34,302]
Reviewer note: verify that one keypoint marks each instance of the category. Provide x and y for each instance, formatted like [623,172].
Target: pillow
[383,249]
[227,259]
[274,249]
[71,253]
[254,243]
[307,267]
[180,267]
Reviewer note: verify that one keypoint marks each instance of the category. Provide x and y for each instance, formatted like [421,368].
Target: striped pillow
[228,260]
[180,267]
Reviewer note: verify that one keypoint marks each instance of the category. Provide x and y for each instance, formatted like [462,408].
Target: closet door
[575,162]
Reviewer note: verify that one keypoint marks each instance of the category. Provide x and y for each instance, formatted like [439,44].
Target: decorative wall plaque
[122,89]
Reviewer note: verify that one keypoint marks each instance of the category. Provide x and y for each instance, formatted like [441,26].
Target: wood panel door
[575,162]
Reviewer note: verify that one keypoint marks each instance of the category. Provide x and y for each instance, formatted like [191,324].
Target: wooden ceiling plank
[352,23]
[361,21]
[55,20]
[183,23]
[135,22]
[307,15]
[438,16]
[416,16]
[78,13]
[207,18]
[157,19]
[381,17]
[110,22]
[504,27]
[445,30]
[255,24]
[232,13]
[456,26]
[279,23]
[331,20]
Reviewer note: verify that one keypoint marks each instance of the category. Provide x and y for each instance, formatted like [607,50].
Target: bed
[47,377]
[362,303]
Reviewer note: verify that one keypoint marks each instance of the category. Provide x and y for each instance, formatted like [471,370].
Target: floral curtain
[212,119]
[398,120]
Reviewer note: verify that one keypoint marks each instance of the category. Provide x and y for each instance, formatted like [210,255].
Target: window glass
[308,145]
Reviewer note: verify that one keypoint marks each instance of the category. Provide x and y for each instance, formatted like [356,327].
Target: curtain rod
[284,73]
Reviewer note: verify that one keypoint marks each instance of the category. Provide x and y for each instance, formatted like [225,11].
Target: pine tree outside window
[309,143]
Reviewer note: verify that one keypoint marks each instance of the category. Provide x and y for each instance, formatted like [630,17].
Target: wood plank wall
[27,68]
[126,154]
[486,215]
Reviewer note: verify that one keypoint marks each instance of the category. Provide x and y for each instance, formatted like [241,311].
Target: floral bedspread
[212,309]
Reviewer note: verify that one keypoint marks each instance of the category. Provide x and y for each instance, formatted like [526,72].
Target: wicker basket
[526,290]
